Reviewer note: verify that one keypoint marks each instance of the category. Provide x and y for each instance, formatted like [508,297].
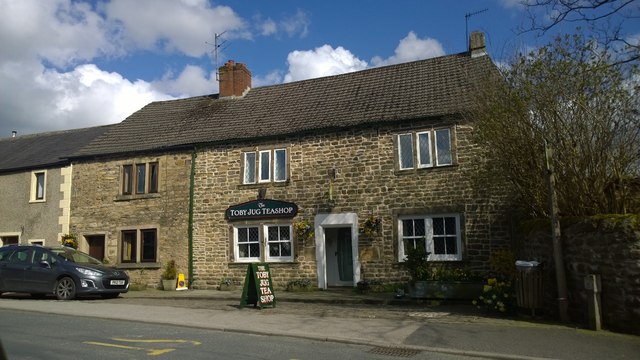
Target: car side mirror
[45,264]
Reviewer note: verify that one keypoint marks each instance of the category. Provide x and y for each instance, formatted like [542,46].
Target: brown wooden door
[96,246]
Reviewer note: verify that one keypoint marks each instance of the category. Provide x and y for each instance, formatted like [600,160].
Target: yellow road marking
[150,352]
[195,343]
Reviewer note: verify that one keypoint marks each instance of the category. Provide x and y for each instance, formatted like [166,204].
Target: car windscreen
[76,256]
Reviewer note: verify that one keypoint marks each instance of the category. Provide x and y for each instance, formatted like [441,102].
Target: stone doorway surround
[323,221]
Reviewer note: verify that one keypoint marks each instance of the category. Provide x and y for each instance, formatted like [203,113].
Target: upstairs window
[38,186]
[264,166]
[425,149]
[140,178]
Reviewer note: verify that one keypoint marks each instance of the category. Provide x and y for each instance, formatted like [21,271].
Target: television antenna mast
[466,22]
[218,46]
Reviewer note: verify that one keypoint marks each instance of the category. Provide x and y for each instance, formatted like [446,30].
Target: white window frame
[249,167]
[277,166]
[428,163]
[34,186]
[436,155]
[429,242]
[265,173]
[36,242]
[263,243]
[261,176]
[236,250]
[432,144]
[400,165]
[267,255]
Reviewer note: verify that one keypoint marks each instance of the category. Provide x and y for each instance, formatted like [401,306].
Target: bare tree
[570,95]
[605,18]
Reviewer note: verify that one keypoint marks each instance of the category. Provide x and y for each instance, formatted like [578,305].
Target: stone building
[327,179]
[35,185]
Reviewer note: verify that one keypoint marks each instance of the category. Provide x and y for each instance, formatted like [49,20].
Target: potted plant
[169,275]
[438,281]
[69,240]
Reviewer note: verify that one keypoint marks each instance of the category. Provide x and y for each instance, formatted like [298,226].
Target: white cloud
[323,61]
[61,31]
[272,78]
[296,24]
[291,26]
[509,4]
[36,99]
[192,81]
[147,24]
[411,48]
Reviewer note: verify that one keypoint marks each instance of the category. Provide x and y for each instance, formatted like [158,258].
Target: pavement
[400,327]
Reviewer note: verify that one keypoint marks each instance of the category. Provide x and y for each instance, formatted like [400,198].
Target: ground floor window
[262,242]
[438,234]
[138,245]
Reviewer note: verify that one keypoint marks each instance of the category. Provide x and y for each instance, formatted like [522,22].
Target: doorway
[339,256]
[336,237]
[96,246]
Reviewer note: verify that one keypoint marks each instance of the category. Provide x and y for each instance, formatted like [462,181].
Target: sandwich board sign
[258,288]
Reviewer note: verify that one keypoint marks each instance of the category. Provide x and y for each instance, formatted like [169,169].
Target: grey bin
[529,285]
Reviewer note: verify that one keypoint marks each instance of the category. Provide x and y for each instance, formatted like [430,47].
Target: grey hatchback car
[61,271]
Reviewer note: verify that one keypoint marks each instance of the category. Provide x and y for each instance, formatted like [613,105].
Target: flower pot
[452,290]
[169,285]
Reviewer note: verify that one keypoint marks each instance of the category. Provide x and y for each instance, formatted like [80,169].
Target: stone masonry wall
[98,208]
[608,246]
[366,182]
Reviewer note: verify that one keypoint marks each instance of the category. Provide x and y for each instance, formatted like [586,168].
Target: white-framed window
[36,242]
[425,149]
[38,186]
[264,166]
[138,245]
[263,242]
[439,234]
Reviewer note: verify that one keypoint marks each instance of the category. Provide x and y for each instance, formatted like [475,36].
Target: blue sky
[69,64]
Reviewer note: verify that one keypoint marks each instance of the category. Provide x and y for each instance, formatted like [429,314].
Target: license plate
[117,282]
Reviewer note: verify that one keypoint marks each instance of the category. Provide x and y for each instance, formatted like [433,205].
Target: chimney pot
[14,133]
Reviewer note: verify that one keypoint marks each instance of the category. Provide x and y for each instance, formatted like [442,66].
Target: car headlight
[88,272]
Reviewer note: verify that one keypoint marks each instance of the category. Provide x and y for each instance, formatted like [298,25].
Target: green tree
[571,95]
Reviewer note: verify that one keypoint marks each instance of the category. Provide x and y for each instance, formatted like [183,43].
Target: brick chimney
[235,79]
[477,45]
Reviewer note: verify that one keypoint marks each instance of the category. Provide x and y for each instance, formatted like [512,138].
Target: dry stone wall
[608,246]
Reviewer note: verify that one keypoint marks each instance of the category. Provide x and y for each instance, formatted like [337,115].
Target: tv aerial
[466,22]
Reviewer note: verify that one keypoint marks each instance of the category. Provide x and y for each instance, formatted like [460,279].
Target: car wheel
[65,289]
[110,296]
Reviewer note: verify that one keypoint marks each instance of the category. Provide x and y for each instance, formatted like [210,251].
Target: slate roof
[420,89]
[45,149]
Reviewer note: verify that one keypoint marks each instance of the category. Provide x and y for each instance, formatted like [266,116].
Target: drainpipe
[194,155]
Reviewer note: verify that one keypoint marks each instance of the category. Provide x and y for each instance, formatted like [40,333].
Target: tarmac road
[455,329]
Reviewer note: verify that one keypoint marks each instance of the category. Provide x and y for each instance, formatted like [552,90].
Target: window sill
[271,263]
[133,266]
[416,170]
[264,184]
[136,197]
[37,201]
